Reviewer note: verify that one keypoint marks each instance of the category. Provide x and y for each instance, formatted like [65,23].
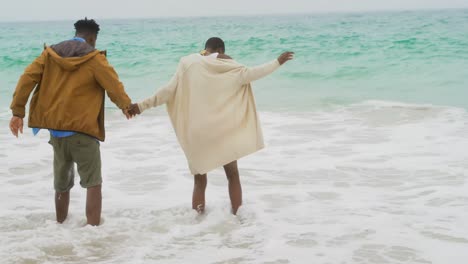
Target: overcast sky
[19,10]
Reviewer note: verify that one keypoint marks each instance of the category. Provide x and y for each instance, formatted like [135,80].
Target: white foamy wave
[376,182]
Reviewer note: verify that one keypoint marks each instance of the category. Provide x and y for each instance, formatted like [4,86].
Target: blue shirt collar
[79,39]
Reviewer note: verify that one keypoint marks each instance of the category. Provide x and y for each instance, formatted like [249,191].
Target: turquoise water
[415,57]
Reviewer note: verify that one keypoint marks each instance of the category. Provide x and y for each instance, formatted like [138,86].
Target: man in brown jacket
[68,81]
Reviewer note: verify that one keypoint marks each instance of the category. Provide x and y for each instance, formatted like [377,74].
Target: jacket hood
[71,54]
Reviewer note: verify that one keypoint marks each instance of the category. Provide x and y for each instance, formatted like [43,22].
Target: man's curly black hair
[215,43]
[86,26]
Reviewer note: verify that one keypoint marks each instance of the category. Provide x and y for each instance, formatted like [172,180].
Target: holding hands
[126,114]
[131,111]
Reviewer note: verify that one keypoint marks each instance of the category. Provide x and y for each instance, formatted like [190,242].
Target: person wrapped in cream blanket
[212,109]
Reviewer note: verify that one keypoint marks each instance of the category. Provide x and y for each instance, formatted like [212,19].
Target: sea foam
[375,182]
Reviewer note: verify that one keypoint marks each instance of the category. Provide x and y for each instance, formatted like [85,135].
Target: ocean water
[366,159]
[415,57]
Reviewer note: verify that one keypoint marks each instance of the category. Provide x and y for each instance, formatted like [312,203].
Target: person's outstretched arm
[28,81]
[109,80]
[162,95]
[249,75]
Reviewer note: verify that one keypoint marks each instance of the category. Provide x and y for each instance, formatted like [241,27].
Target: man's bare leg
[62,201]
[94,205]
[235,188]
[198,198]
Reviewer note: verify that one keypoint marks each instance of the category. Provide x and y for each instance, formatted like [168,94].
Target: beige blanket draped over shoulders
[212,109]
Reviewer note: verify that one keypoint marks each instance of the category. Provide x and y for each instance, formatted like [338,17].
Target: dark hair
[86,26]
[215,43]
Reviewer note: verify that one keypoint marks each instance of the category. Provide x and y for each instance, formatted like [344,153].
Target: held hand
[134,110]
[287,56]
[126,113]
[16,125]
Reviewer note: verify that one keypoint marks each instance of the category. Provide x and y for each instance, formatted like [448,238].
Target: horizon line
[323,12]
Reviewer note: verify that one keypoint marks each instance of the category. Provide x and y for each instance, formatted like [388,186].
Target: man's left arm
[248,75]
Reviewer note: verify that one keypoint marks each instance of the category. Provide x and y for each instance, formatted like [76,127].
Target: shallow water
[375,182]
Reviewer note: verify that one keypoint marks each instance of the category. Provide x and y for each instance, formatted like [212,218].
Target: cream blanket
[212,109]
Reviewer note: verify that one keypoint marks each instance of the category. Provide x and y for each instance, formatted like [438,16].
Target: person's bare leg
[235,188]
[198,198]
[62,201]
[94,205]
